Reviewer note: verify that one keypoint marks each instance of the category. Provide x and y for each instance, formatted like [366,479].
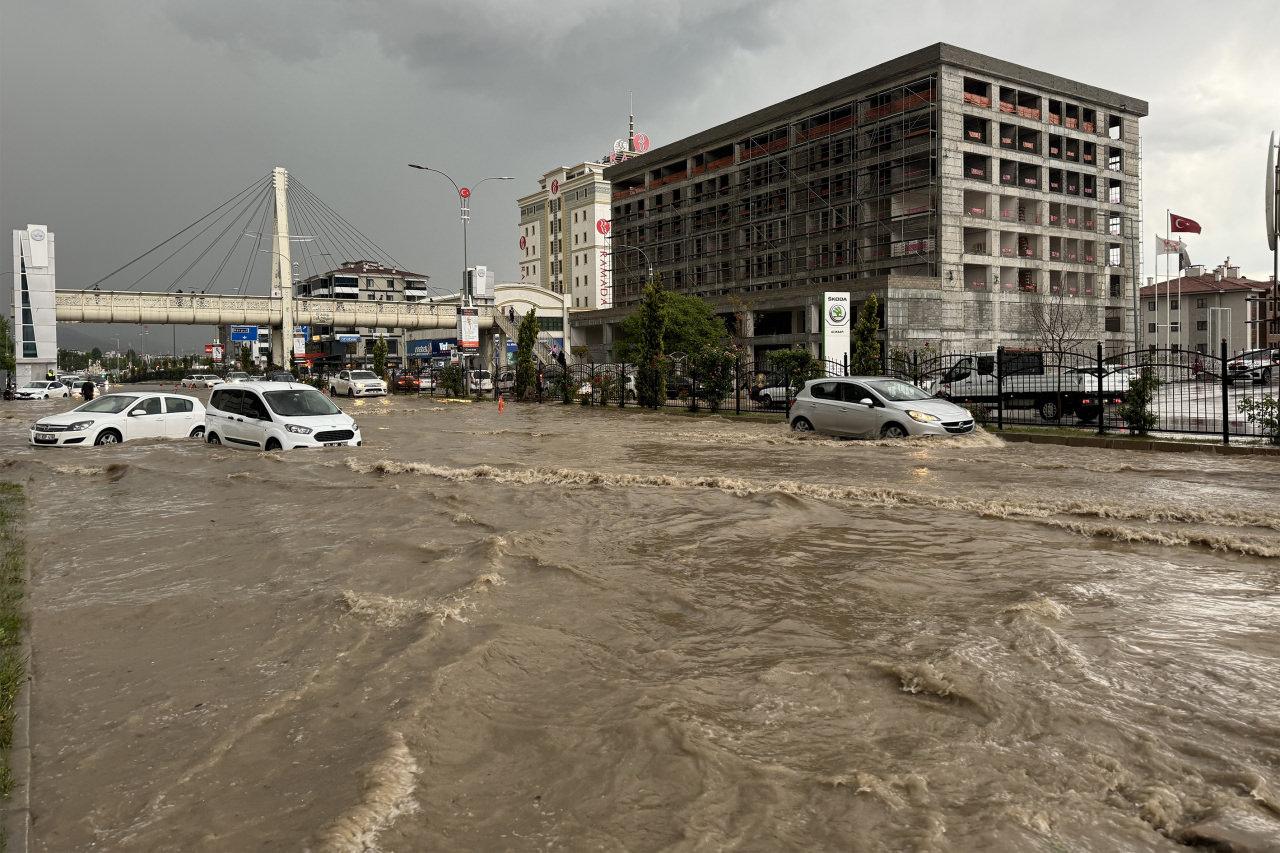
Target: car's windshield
[112,404]
[363,374]
[36,385]
[300,403]
[896,391]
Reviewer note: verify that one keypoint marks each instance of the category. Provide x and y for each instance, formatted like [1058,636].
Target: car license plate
[44,436]
[334,443]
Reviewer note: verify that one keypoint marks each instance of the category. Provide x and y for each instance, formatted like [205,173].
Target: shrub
[713,371]
[1265,413]
[1136,408]
[450,379]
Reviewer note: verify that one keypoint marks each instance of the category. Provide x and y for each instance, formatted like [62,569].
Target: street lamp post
[464,213]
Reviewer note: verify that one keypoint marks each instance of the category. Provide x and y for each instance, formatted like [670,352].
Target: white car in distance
[41,390]
[113,418]
[237,376]
[357,383]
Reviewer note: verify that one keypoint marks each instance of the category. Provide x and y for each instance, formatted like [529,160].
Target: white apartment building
[1201,308]
[564,236]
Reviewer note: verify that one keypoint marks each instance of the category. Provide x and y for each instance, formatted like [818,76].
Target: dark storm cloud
[120,122]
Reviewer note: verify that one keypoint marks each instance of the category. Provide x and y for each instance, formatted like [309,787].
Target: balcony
[980,212]
[977,100]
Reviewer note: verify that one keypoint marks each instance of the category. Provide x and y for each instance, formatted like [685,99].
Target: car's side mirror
[867,401]
[137,413]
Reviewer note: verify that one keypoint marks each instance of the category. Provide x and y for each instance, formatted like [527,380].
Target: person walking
[87,389]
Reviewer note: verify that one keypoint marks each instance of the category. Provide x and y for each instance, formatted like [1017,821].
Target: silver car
[870,406]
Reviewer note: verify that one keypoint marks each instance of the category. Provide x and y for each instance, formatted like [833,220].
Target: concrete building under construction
[969,193]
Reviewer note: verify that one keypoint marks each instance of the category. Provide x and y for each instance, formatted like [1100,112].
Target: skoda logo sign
[37,235]
[838,314]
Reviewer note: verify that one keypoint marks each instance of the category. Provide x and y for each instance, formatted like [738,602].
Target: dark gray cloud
[121,122]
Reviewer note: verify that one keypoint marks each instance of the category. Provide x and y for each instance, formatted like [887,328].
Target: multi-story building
[563,245]
[1201,308]
[966,192]
[364,281]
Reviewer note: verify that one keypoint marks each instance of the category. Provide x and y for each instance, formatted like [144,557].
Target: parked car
[406,383]
[868,406]
[42,390]
[276,416]
[113,418]
[772,393]
[481,380]
[71,380]
[357,383]
[237,376]
[201,380]
[426,382]
[1257,367]
[506,381]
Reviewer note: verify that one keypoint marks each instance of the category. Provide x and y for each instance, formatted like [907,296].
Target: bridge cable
[255,185]
[382,255]
[214,222]
[235,244]
[344,248]
[216,239]
[252,261]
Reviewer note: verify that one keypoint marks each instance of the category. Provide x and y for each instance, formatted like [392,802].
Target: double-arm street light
[464,213]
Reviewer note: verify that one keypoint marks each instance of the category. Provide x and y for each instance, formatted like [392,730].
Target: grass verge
[13,664]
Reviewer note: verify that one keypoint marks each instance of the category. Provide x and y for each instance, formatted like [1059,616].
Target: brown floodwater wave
[563,628]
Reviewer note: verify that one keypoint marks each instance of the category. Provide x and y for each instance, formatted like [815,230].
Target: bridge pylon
[282,272]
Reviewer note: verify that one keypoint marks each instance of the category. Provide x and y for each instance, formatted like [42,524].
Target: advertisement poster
[469,329]
[837,312]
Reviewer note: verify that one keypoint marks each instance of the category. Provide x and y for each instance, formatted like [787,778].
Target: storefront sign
[837,311]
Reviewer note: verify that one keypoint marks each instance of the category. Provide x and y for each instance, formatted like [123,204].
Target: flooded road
[570,629]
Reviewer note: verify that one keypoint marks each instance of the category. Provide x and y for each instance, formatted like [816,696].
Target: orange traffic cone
[502,404]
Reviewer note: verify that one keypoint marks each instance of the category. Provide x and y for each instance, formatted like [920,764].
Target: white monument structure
[35,317]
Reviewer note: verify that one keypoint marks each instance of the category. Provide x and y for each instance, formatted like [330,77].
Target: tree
[95,354]
[7,359]
[1058,327]
[796,366]
[1136,408]
[865,359]
[690,326]
[246,359]
[380,357]
[651,381]
[526,369]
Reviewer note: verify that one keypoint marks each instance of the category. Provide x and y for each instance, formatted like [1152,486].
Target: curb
[17,811]
[1141,444]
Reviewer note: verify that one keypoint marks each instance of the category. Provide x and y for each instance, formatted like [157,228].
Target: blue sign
[247,334]
[427,347]
[303,332]
[349,339]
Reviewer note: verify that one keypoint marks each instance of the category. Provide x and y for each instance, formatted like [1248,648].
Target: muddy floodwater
[570,629]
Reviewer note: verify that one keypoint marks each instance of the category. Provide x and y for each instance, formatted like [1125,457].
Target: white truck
[1028,383]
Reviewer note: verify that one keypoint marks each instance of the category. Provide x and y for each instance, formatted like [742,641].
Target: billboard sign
[246,334]
[837,311]
[469,329]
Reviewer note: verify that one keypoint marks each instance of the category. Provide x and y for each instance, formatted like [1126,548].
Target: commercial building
[563,246]
[1196,311]
[35,320]
[511,299]
[364,281]
[966,192]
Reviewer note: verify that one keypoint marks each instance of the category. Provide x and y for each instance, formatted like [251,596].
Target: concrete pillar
[282,272]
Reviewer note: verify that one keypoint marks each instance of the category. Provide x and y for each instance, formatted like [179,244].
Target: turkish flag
[1181,223]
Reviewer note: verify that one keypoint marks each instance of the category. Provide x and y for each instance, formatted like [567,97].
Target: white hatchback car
[113,418]
[870,406]
[276,416]
[41,390]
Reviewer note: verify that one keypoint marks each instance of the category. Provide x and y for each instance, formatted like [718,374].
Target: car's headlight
[300,430]
[922,417]
[355,427]
[79,425]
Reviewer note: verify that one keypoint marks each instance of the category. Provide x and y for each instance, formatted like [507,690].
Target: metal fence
[1197,393]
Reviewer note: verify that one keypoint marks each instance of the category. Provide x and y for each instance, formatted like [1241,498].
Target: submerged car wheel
[212,438]
[766,401]
[1266,376]
[273,444]
[198,432]
[107,436]
[351,392]
[802,425]
[333,392]
[893,430]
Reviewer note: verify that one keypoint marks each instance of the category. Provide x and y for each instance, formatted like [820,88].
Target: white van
[276,416]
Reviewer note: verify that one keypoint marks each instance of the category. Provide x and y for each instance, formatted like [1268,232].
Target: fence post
[846,364]
[786,393]
[622,385]
[693,389]
[1000,387]
[1226,391]
[915,367]
[737,387]
[1102,405]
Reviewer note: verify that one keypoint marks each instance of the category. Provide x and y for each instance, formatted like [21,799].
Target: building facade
[364,281]
[1195,312]
[563,244]
[966,192]
[35,319]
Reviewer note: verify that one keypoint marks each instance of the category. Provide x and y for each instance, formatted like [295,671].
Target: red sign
[465,192]
[555,186]
[602,225]
[640,143]
[208,349]
[523,242]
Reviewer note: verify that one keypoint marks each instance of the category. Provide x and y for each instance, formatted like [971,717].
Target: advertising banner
[837,312]
[469,329]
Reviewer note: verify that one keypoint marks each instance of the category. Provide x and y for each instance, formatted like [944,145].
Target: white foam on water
[389,786]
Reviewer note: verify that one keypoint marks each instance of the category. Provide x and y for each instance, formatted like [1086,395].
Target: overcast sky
[122,121]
